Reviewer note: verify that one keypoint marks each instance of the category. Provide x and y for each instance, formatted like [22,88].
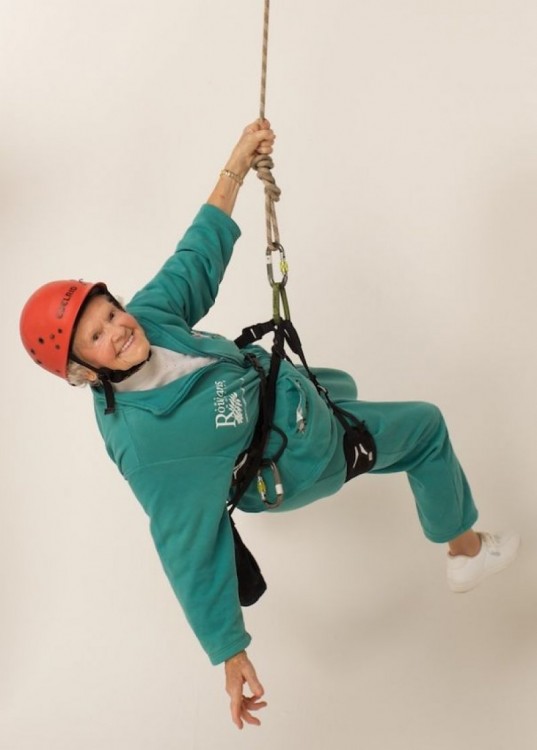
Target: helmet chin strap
[108,376]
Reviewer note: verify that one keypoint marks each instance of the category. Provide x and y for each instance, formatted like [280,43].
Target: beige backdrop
[406,155]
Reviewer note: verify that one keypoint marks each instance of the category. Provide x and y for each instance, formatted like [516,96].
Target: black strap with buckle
[358,444]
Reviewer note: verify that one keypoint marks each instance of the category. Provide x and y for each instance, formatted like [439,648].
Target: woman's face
[109,337]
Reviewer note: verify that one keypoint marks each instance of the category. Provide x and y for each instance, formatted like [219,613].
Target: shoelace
[492,541]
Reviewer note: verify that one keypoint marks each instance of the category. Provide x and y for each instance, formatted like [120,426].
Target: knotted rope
[264,164]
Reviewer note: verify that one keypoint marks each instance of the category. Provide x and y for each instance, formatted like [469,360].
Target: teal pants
[412,437]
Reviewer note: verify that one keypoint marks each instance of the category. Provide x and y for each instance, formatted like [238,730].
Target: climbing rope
[264,164]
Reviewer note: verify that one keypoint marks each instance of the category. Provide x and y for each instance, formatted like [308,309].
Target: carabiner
[284,268]
[278,486]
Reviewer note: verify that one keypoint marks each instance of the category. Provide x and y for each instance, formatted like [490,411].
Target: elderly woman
[177,406]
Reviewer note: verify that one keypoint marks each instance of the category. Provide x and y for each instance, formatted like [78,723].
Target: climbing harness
[358,444]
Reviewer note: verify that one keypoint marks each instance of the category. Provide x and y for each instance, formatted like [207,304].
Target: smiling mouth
[126,345]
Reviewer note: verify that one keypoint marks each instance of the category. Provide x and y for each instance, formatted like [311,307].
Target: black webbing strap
[252,459]
[358,444]
[251,334]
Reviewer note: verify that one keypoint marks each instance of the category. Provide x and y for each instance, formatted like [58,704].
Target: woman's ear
[90,375]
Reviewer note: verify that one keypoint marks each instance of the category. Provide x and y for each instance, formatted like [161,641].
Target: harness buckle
[278,486]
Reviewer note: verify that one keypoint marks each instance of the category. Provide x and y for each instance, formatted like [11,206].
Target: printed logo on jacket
[229,408]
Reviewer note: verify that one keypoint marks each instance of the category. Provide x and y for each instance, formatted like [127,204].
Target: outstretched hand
[240,671]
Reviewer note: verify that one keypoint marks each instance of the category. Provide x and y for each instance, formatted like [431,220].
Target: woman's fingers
[240,672]
[251,704]
[257,125]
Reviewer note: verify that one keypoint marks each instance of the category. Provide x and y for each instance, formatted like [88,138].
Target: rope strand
[264,164]
[264,61]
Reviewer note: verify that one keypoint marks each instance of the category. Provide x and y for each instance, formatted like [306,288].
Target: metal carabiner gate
[278,486]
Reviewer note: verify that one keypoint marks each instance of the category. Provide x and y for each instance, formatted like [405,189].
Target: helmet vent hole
[32,351]
[41,341]
[52,336]
[60,330]
[57,346]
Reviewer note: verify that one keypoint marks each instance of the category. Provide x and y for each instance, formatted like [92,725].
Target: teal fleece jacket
[177,445]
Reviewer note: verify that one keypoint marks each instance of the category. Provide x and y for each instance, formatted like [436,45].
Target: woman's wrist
[226,190]
[238,164]
[231,175]
[240,656]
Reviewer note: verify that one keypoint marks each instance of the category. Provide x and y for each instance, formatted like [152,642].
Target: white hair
[78,375]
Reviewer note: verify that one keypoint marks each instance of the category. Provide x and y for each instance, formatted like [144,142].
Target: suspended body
[177,442]
[177,445]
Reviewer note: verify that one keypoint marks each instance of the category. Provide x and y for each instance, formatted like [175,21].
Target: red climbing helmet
[48,321]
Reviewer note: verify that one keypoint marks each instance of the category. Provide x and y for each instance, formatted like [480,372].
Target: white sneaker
[497,551]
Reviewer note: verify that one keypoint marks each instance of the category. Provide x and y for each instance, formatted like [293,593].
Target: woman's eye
[95,337]
[112,315]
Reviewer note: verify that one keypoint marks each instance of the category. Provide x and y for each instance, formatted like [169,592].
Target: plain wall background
[406,156]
